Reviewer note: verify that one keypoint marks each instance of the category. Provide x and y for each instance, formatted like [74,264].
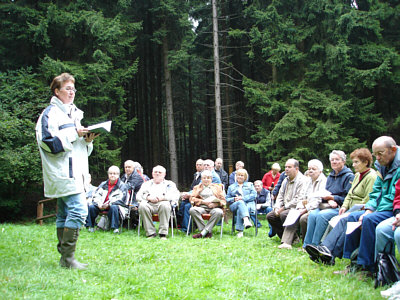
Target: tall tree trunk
[170,114]
[218,120]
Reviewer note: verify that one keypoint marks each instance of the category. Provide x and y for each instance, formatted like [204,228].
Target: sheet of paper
[292,217]
[333,222]
[351,226]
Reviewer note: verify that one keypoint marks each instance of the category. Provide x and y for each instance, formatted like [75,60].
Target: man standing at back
[219,169]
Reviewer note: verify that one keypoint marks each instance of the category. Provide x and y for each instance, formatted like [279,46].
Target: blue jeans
[184,208]
[112,213]
[384,235]
[316,225]
[364,238]
[242,211]
[72,211]
[262,210]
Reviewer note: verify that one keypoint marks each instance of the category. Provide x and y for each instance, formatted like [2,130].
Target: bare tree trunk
[218,119]
[170,115]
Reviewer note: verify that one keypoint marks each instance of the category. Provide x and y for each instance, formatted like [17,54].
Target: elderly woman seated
[338,184]
[315,184]
[358,195]
[207,198]
[241,196]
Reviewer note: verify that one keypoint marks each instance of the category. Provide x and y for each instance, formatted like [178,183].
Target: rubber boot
[68,245]
[60,232]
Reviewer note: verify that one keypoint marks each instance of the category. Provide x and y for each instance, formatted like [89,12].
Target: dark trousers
[113,215]
[364,237]
[184,208]
[277,221]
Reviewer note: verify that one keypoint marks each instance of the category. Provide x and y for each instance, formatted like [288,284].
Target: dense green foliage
[126,266]
[298,79]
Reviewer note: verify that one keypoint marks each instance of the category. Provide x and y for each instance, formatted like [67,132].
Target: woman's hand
[342,210]
[89,137]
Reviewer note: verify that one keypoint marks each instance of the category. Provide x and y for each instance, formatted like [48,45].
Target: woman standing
[64,147]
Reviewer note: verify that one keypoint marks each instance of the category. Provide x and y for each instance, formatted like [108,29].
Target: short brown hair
[59,80]
[363,154]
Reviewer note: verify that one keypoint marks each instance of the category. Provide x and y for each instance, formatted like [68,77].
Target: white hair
[339,153]
[317,163]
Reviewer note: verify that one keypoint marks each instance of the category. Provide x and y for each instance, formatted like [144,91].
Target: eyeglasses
[69,89]
[379,153]
[113,173]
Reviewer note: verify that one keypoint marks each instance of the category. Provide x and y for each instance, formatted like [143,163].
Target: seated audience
[358,195]
[156,197]
[219,169]
[338,184]
[89,189]
[110,197]
[271,178]
[207,198]
[133,181]
[388,234]
[277,187]
[263,201]
[291,192]
[232,177]
[209,165]
[241,196]
[378,208]
[184,205]
[315,183]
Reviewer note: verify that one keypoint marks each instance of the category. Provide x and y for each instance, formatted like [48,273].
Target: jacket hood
[343,172]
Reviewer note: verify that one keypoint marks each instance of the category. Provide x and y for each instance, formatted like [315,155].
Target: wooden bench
[39,211]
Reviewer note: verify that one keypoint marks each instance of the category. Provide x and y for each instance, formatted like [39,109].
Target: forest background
[298,79]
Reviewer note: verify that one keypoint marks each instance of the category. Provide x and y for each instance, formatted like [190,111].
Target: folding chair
[129,205]
[155,218]
[206,217]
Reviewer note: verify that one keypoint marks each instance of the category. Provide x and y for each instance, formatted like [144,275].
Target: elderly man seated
[263,201]
[155,197]
[292,191]
[110,197]
[207,198]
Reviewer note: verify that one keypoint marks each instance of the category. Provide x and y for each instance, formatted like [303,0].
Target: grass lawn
[126,266]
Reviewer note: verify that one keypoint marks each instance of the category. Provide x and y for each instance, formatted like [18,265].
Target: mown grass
[126,266]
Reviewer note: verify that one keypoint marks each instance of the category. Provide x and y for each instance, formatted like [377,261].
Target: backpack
[387,268]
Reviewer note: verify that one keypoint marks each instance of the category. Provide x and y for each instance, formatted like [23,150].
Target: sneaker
[284,246]
[151,236]
[91,229]
[240,234]
[163,237]
[116,230]
[247,223]
[313,252]
[326,255]
[392,291]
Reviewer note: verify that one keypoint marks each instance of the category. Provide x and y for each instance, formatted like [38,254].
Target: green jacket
[382,195]
[359,191]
